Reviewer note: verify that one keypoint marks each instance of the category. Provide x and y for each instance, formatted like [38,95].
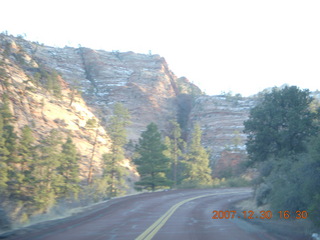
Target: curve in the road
[157,225]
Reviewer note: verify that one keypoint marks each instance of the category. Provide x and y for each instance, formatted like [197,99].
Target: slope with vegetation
[73,119]
[283,143]
[52,146]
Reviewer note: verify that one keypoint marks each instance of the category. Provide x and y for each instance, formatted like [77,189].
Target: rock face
[143,83]
[38,108]
[221,119]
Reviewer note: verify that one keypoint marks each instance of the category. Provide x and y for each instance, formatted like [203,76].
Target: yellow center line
[157,225]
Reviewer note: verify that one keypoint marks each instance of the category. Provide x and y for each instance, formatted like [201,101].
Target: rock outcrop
[221,119]
[38,108]
[143,83]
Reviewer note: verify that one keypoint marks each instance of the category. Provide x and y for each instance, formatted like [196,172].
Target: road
[176,214]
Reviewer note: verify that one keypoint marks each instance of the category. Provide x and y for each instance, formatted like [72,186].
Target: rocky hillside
[221,119]
[143,83]
[32,104]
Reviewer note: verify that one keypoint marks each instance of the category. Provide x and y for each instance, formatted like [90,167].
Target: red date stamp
[259,215]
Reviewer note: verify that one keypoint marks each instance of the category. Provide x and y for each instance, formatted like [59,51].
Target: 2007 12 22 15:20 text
[261,214]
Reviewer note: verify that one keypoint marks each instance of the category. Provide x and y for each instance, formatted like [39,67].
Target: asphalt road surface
[176,214]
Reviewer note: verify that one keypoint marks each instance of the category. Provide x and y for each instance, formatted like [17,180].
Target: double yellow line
[157,225]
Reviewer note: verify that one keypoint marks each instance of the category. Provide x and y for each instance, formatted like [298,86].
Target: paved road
[178,214]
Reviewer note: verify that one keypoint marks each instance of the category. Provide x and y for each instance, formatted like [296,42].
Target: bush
[234,182]
[4,221]
[262,194]
[314,210]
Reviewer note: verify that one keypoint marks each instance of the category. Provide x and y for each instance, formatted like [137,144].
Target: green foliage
[49,79]
[69,169]
[34,176]
[113,173]
[175,147]
[185,103]
[284,142]
[91,123]
[98,190]
[230,97]
[4,153]
[235,182]
[53,83]
[152,164]
[117,125]
[295,185]
[47,180]
[21,172]
[314,209]
[4,76]
[9,149]
[3,177]
[185,87]
[20,57]
[280,125]
[198,172]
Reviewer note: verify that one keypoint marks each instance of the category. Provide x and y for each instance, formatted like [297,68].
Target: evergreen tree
[198,172]
[10,147]
[8,131]
[175,146]
[26,151]
[49,79]
[112,171]
[4,76]
[69,169]
[91,124]
[3,177]
[117,125]
[3,159]
[279,129]
[152,164]
[47,181]
[54,84]
[26,148]
[280,125]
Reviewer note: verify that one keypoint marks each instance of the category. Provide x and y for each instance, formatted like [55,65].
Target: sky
[238,46]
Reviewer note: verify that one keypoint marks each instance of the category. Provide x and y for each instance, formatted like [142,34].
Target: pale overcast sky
[241,46]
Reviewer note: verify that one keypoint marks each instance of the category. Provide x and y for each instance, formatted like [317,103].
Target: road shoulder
[281,229]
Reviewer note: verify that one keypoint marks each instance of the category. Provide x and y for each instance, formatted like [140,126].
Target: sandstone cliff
[143,83]
[221,119]
[33,105]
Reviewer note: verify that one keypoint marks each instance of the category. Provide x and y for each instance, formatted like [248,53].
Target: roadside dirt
[291,228]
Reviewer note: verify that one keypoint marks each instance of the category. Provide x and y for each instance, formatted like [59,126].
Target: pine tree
[152,164]
[26,148]
[3,177]
[26,151]
[3,160]
[4,76]
[198,172]
[91,124]
[69,169]
[113,172]
[280,125]
[8,131]
[10,147]
[175,145]
[47,181]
